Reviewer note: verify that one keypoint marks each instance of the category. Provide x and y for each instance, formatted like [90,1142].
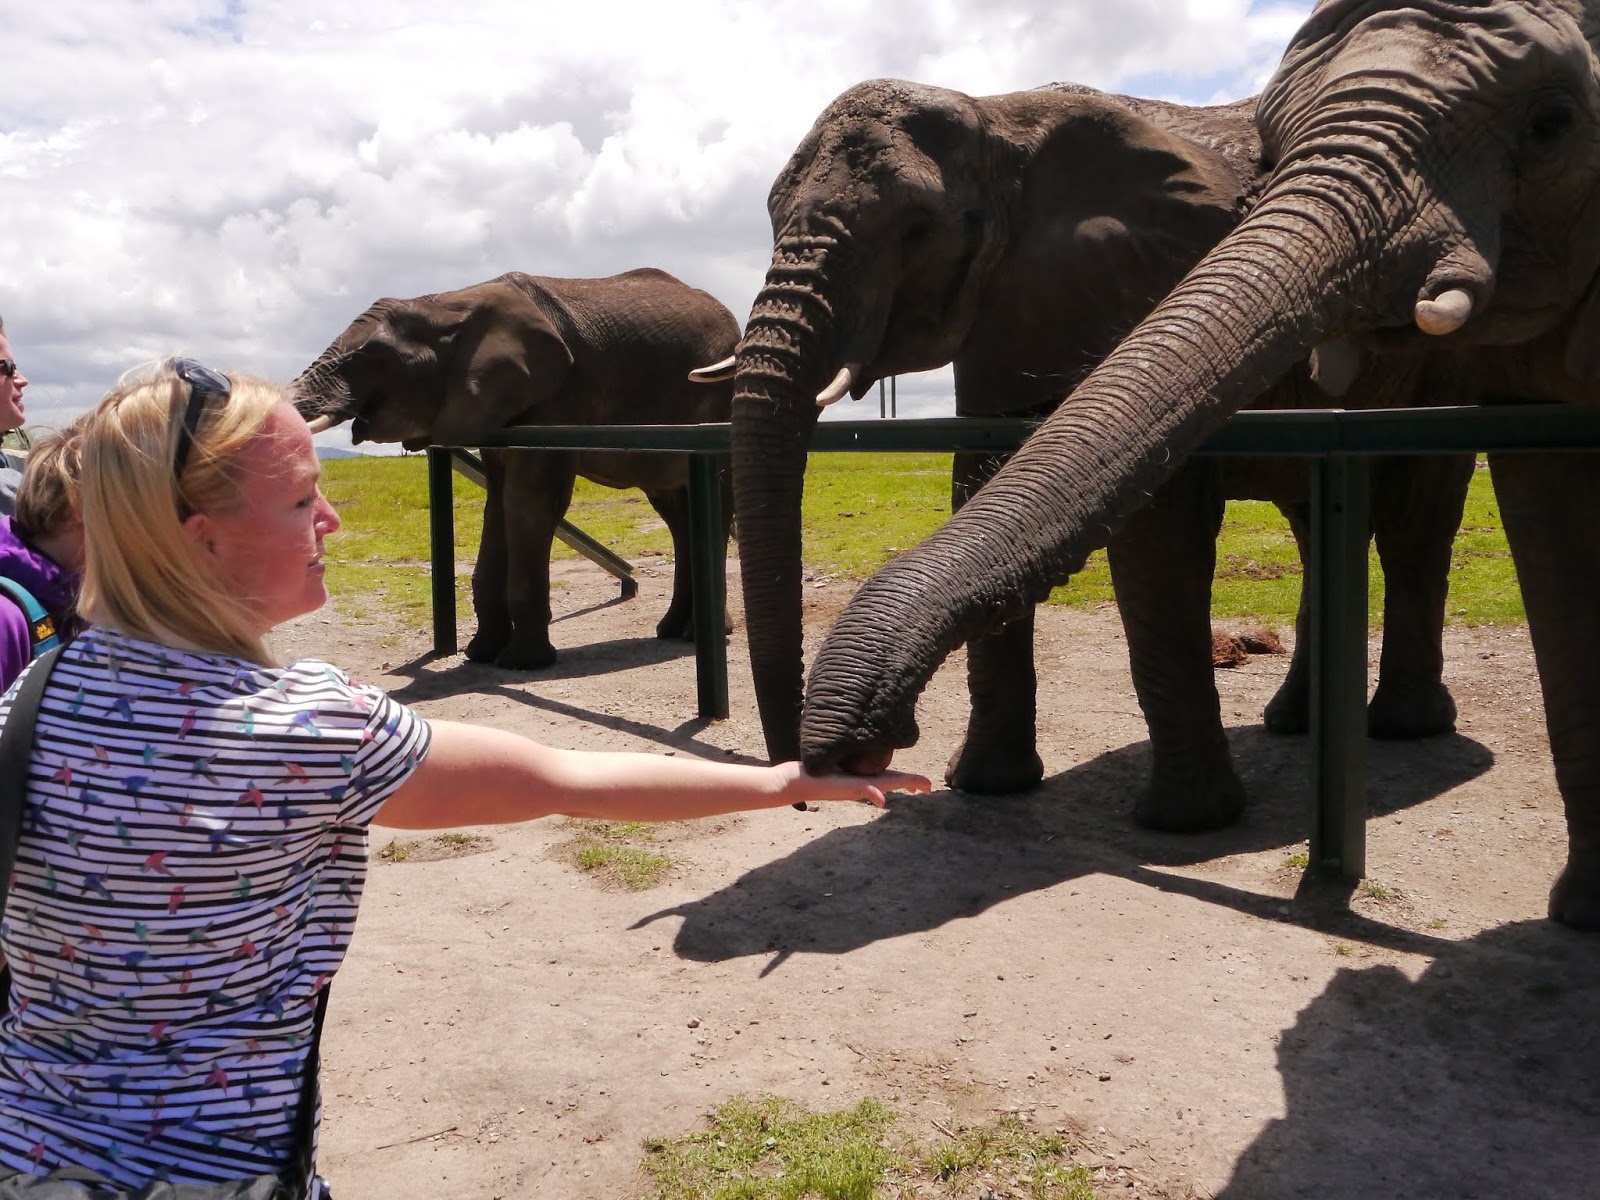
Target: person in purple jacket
[41,549]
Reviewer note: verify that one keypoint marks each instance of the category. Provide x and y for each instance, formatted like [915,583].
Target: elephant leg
[1000,752]
[1550,504]
[1416,511]
[1162,562]
[673,508]
[538,491]
[1289,710]
[489,573]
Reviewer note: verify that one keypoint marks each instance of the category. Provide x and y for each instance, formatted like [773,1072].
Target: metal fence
[1337,441]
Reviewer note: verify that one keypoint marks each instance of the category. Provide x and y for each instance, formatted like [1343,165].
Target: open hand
[799,788]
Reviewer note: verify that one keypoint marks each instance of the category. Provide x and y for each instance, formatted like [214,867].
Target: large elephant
[1433,177]
[1019,237]
[520,350]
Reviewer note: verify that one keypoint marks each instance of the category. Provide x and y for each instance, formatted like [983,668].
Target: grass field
[860,511]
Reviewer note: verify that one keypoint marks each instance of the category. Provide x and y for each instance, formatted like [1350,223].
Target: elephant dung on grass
[1432,183]
[1019,237]
[449,368]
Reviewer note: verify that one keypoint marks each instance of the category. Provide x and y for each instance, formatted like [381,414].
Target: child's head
[48,506]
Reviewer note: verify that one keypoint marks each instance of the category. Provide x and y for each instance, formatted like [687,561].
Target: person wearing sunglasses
[196,837]
[12,381]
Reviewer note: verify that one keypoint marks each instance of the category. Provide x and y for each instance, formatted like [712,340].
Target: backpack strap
[41,625]
[16,748]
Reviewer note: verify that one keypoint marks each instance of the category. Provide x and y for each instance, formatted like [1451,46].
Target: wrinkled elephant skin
[446,369]
[1433,180]
[1018,237]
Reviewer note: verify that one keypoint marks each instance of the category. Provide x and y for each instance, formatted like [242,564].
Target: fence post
[708,568]
[1337,579]
[442,548]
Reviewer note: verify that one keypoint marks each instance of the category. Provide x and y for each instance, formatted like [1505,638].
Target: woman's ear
[197,527]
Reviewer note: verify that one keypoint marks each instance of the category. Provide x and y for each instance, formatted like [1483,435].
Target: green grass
[860,510]
[617,853]
[770,1149]
[1035,1164]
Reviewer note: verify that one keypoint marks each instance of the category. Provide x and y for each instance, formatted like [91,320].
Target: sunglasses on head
[204,383]
[8,368]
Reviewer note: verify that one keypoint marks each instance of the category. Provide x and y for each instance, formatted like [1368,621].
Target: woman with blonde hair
[195,840]
[41,555]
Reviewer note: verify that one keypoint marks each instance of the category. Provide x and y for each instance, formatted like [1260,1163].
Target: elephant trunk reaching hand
[1434,174]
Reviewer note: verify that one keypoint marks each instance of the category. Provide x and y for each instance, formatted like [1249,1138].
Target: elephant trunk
[322,393]
[783,362]
[1256,305]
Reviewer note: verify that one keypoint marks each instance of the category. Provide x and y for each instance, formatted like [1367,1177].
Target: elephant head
[1433,170]
[442,369]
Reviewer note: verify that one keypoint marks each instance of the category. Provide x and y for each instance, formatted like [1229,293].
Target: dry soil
[505,1027]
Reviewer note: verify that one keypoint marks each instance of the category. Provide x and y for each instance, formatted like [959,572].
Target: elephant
[1431,183]
[448,368]
[1019,237]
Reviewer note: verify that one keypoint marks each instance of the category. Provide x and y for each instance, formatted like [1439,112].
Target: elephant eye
[1550,126]
[1550,122]
[917,232]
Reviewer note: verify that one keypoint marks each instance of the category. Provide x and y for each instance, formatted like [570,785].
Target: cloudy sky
[237,179]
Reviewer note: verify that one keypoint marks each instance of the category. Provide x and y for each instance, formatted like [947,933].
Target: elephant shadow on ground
[931,860]
[1481,1079]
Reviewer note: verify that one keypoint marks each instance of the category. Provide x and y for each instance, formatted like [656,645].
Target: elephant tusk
[716,372]
[1446,314]
[319,424]
[840,385]
[1335,365]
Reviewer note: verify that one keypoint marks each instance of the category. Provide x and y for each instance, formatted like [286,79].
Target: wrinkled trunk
[321,390]
[784,359]
[1247,313]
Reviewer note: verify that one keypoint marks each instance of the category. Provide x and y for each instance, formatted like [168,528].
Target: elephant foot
[674,626]
[1402,714]
[1184,804]
[1289,712]
[994,770]
[485,647]
[1575,899]
[526,655]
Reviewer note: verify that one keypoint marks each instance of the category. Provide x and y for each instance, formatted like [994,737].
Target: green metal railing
[1338,442]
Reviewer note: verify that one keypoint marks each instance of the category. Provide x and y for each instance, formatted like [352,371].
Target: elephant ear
[1583,336]
[506,358]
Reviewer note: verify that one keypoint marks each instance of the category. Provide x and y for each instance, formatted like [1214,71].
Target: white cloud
[238,179]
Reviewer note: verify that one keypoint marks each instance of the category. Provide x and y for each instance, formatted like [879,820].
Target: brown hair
[47,498]
[143,574]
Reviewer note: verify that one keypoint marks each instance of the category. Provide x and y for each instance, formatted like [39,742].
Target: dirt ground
[505,1027]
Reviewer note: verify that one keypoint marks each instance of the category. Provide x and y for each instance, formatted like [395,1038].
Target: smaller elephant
[448,368]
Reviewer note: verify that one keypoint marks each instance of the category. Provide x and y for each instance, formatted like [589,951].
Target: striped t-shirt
[193,851]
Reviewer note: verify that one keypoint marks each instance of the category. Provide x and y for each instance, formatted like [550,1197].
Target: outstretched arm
[478,776]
